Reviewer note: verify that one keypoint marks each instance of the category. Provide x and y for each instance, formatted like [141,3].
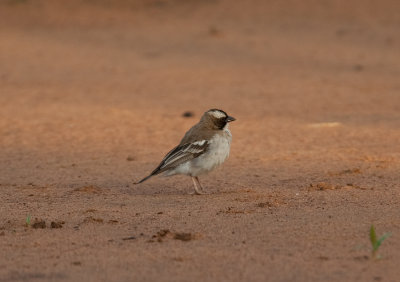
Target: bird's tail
[154,172]
[144,179]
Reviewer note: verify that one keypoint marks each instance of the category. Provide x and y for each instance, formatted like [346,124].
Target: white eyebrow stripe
[218,114]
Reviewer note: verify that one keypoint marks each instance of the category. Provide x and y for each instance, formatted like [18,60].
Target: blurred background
[87,79]
[93,94]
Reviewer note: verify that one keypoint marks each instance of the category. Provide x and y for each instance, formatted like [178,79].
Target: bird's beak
[229,119]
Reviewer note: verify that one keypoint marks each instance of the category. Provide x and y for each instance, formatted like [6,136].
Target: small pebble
[188,114]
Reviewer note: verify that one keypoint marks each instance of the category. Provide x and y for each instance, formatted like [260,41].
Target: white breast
[219,149]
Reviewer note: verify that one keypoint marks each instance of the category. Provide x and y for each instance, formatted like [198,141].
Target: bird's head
[217,119]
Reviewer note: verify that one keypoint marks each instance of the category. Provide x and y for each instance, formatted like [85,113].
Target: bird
[203,148]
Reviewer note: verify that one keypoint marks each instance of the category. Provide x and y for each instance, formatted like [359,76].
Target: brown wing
[197,133]
[180,155]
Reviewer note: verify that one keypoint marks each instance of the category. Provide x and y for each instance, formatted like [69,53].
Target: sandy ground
[92,95]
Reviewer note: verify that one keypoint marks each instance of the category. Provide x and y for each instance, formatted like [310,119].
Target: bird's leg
[198,183]
[197,191]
